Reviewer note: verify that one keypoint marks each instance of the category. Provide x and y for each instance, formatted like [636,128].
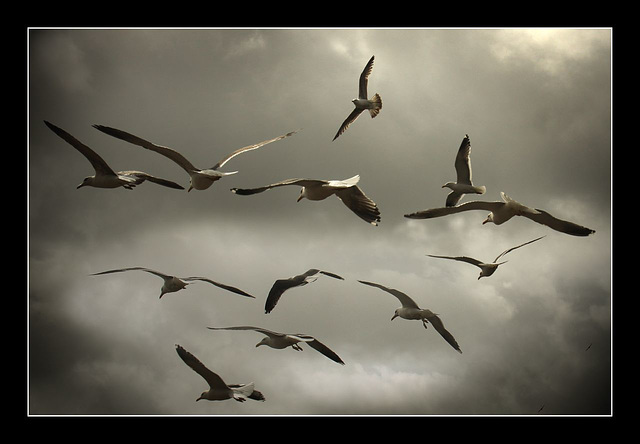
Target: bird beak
[299,198]
[190,188]
[485,221]
[394,316]
[199,398]
[79,186]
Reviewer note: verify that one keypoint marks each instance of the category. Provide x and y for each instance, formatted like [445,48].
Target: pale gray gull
[172,283]
[500,212]
[200,179]
[283,340]
[463,184]
[411,311]
[486,269]
[105,177]
[362,103]
[346,190]
[218,389]
[282,285]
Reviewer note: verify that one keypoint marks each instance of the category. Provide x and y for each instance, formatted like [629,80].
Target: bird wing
[218,284]
[453,198]
[563,226]
[326,273]
[364,79]
[439,326]
[319,346]
[165,151]
[404,299]
[348,121]
[463,162]
[148,270]
[445,211]
[97,162]
[360,204]
[466,259]
[247,327]
[249,148]
[513,248]
[146,176]
[215,381]
[279,287]
[299,182]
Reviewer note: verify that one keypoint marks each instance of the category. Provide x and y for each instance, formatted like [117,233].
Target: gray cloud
[538,112]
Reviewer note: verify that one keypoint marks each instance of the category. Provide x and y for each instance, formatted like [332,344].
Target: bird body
[501,212]
[218,389]
[172,284]
[411,311]
[104,176]
[362,102]
[200,179]
[346,190]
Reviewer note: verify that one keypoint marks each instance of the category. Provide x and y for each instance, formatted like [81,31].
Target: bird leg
[424,323]
[296,347]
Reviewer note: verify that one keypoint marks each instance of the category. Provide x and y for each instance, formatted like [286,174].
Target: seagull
[218,389]
[201,179]
[374,105]
[282,285]
[487,269]
[346,190]
[173,283]
[283,340]
[410,310]
[500,212]
[105,177]
[463,185]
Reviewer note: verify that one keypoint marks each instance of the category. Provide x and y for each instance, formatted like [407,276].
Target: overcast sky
[536,104]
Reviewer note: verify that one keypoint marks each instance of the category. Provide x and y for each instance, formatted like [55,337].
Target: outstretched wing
[563,226]
[248,327]
[466,259]
[96,161]
[439,326]
[513,248]
[360,204]
[319,346]
[163,150]
[445,211]
[250,148]
[214,381]
[404,299]
[348,121]
[218,284]
[364,79]
[463,162]
[299,182]
[148,270]
[146,176]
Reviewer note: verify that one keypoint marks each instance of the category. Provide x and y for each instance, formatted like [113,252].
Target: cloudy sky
[536,104]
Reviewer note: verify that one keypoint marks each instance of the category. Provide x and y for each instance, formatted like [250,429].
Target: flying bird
[283,340]
[282,285]
[104,176]
[218,389]
[486,269]
[500,212]
[410,310]
[463,184]
[346,190]
[172,283]
[200,179]
[374,105]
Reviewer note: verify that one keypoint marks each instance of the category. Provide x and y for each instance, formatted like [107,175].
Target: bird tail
[241,392]
[377,105]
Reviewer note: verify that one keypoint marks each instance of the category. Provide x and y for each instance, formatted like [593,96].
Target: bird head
[203,395]
[395,315]
[87,181]
[262,342]
[448,185]
[302,195]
